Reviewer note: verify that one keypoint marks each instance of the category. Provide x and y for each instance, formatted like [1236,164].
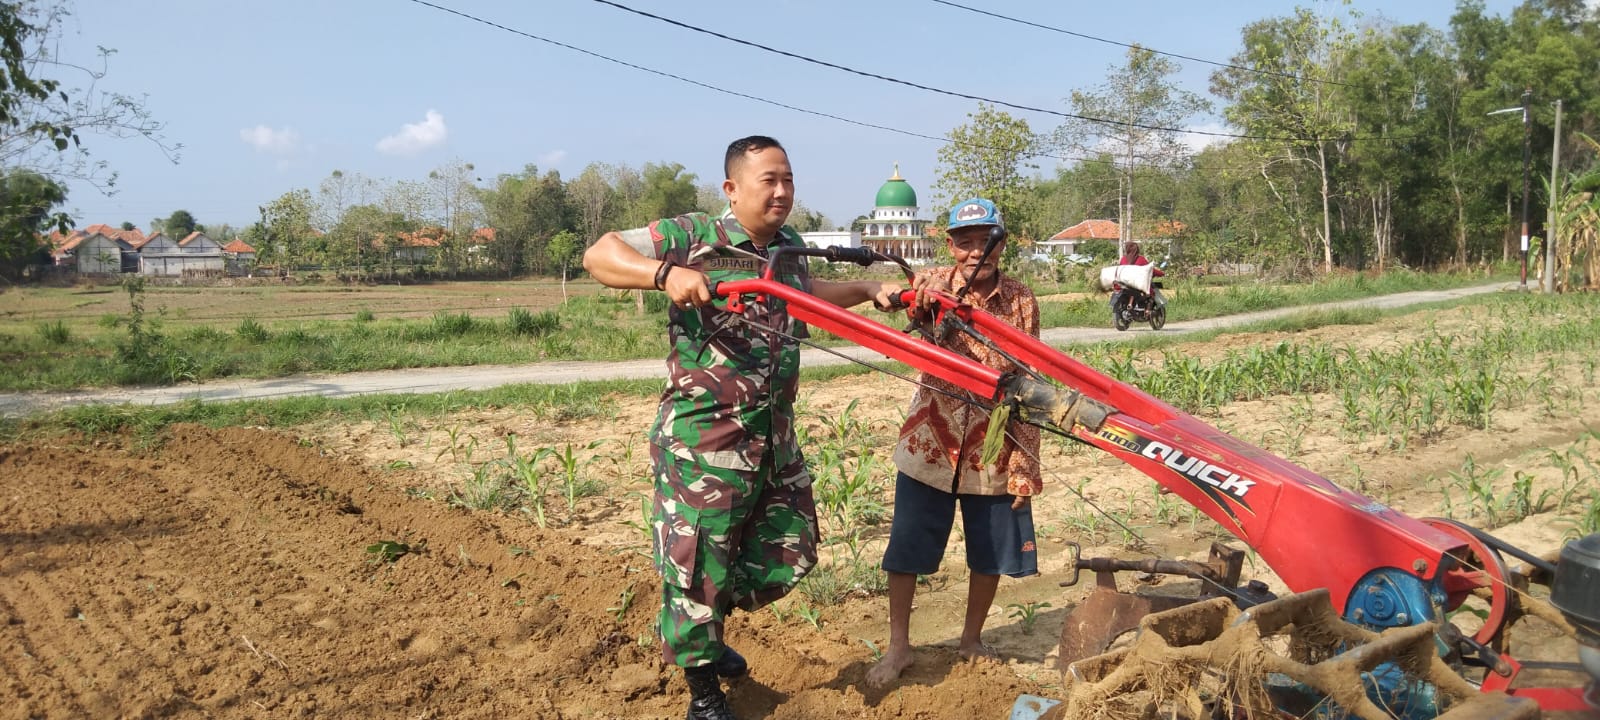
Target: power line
[953,93]
[908,83]
[766,101]
[1086,36]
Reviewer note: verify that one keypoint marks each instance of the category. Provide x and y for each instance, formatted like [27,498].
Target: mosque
[893,227]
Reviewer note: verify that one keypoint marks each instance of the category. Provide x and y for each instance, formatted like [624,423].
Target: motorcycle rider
[1131,256]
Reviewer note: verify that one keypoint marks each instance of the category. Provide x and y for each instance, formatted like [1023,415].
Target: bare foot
[978,652]
[889,668]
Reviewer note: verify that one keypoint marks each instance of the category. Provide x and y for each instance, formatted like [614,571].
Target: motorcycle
[1136,296]
[1129,306]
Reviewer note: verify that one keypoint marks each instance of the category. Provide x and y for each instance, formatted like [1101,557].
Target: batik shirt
[941,442]
[731,387]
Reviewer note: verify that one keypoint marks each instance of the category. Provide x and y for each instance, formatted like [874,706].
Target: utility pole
[1527,160]
[1550,214]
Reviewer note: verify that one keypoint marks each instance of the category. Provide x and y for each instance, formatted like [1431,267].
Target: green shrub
[253,331]
[452,324]
[523,322]
[55,333]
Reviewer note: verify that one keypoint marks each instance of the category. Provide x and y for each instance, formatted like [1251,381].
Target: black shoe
[731,664]
[706,700]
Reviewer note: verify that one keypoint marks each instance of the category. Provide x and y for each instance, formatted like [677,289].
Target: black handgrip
[862,256]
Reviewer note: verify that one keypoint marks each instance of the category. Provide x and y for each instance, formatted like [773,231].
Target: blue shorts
[999,540]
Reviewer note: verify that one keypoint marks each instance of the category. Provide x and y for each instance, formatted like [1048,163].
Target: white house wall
[176,264]
[99,255]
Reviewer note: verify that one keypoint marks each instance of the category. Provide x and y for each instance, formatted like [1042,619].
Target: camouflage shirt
[731,387]
[942,439]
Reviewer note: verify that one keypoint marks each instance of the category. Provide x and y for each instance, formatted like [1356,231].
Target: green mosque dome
[896,192]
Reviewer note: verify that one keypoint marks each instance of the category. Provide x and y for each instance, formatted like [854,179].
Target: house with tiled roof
[96,253]
[62,245]
[418,246]
[240,251]
[1069,240]
[68,248]
[161,256]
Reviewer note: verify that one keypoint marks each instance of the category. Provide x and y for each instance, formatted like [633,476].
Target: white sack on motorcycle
[1137,277]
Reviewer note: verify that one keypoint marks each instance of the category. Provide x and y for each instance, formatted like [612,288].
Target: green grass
[578,400]
[1516,351]
[1186,301]
[600,326]
[597,327]
[553,402]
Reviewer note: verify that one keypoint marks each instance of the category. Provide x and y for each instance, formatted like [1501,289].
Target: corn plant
[645,525]
[1166,506]
[527,472]
[571,466]
[397,423]
[485,488]
[812,615]
[1588,521]
[623,603]
[1027,614]
[1478,485]
[456,448]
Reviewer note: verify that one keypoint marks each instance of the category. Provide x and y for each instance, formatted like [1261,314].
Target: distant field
[66,338]
[21,309]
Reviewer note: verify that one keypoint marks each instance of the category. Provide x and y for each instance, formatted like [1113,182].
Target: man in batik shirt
[735,523]
[939,456]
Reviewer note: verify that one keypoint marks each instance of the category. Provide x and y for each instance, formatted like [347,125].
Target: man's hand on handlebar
[926,285]
[687,287]
[887,299]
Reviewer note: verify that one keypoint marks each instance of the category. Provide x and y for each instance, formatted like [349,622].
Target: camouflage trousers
[725,539]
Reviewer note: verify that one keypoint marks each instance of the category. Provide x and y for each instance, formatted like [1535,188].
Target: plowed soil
[224,574]
[227,573]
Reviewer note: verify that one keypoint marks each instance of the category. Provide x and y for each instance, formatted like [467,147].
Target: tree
[284,235]
[223,233]
[668,191]
[42,121]
[451,187]
[595,200]
[709,198]
[525,209]
[339,191]
[1290,108]
[1135,102]
[365,235]
[985,157]
[804,219]
[179,224]
[563,249]
[41,127]
[27,200]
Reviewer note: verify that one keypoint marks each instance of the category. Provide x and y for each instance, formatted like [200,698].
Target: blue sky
[270,96]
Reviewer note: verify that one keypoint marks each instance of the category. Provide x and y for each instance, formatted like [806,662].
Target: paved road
[479,377]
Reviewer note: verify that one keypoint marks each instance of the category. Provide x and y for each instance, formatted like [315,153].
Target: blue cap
[976,211]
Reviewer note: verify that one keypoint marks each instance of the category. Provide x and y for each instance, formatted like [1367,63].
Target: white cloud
[265,139]
[416,137]
[552,158]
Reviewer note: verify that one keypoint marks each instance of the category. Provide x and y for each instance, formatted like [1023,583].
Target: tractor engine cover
[1576,588]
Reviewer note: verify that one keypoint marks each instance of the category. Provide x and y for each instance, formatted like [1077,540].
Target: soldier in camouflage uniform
[735,523]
